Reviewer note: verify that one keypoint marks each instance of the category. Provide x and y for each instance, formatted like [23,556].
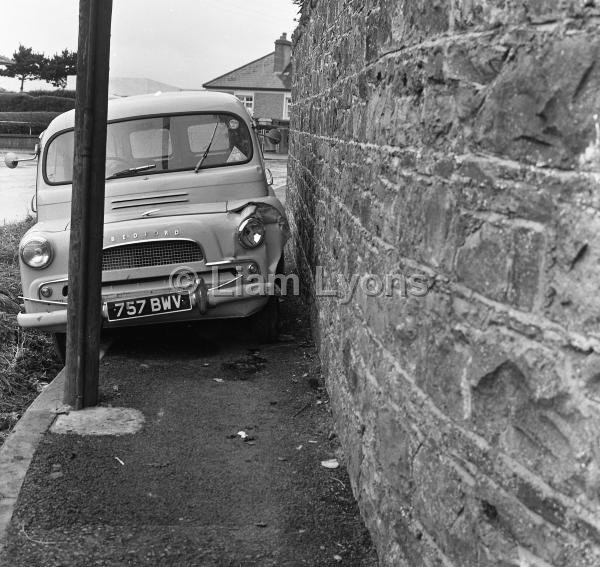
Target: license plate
[148,306]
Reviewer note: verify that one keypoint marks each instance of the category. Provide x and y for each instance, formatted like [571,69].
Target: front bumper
[240,301]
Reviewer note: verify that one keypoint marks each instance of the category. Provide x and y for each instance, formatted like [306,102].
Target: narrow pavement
[187,489]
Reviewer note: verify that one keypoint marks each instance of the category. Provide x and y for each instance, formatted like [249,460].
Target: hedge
[39,122]
[61,93]
[20,102]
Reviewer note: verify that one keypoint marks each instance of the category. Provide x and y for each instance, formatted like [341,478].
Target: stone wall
[457,141]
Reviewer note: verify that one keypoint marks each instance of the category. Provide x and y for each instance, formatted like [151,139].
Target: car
[192,227]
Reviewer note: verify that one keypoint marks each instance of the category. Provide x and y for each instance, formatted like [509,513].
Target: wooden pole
[87,208]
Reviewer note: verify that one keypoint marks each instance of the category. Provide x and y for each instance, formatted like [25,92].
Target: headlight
[251,233]
[36,252]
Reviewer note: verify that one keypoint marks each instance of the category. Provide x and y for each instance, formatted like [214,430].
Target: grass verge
[27,360]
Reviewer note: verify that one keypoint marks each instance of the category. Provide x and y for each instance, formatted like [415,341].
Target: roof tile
[256,75]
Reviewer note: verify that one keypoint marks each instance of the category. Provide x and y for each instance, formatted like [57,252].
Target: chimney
[283,53]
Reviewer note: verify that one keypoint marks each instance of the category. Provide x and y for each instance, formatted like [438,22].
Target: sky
[184,43]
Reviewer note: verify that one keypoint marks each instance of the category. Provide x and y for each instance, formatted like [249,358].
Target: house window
[248,100]
[286,107]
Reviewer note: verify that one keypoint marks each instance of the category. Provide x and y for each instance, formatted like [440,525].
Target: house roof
[5,60]
[257,75]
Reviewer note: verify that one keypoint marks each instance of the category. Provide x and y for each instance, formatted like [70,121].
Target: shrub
[20,102]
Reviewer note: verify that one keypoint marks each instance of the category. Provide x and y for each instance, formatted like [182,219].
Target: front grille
[154,253]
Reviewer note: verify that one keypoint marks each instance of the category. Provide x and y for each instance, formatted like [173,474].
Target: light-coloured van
[192,230]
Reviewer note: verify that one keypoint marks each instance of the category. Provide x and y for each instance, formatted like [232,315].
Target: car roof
[159,103]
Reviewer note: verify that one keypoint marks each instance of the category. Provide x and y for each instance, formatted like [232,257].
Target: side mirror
[274,136]
[269,176]
[11,160]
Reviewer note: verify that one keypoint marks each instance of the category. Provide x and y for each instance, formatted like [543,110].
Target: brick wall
[456,140]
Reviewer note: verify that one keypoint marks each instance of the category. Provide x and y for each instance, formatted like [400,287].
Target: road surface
[17,187]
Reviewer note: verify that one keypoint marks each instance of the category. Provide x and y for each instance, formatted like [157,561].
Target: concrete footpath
[224,469]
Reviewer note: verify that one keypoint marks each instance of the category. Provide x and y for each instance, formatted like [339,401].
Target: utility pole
[87,208]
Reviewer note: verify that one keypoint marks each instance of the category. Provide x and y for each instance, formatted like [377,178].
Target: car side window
[59,159]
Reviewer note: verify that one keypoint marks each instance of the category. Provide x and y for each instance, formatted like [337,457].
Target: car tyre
[265,323]
[60,346]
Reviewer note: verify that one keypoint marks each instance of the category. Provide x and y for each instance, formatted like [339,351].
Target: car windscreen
[158,144]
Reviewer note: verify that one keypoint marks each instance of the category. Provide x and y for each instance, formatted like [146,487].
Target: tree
[27,65]
[56,70]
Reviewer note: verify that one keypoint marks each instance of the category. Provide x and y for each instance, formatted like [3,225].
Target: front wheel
[265,323]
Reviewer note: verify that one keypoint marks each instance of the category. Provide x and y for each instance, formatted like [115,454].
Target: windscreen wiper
[132,170]
[205,154]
